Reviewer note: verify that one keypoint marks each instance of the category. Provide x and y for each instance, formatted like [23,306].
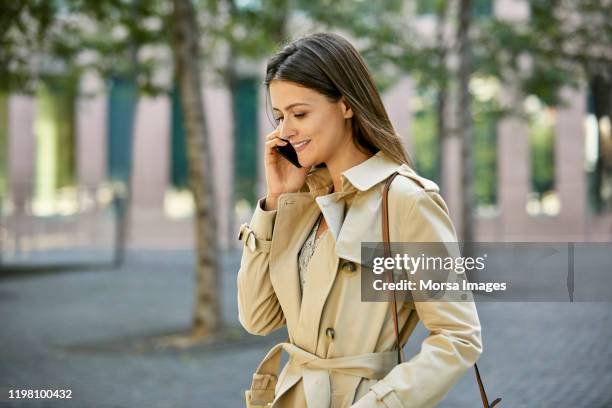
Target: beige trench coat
[329,322]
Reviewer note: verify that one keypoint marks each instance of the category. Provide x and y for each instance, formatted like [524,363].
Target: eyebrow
[292,105]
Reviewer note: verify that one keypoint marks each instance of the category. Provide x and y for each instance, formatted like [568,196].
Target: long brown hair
[329,64]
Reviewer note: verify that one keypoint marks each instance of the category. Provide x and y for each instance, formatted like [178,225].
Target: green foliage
[424,132]
[426,143]
[485,153]
[479,7]
[542,148]
[384,36]
[563,43]
[40,37]
[55,134]
[119,37]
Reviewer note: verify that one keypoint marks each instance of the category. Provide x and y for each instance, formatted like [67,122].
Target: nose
[286,131]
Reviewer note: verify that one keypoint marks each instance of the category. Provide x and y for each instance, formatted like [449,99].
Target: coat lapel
[362,224]
[295,218]
[296,215]
[320,276]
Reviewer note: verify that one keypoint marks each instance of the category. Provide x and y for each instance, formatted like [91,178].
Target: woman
[301,258]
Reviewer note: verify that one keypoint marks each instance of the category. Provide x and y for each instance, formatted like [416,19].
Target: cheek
[330,134]
[325,131]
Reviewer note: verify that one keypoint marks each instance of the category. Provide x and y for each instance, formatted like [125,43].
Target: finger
[274,134]
[276,142]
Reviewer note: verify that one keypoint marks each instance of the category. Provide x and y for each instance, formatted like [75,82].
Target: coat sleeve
[454,342]
[259,311]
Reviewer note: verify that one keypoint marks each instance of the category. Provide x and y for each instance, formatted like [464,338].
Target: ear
[347,112]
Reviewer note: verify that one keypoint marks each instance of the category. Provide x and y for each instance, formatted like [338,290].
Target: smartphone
[288,152]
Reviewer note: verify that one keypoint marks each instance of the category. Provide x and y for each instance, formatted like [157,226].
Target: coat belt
[315,373]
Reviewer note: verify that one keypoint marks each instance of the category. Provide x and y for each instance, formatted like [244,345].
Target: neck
[343,161]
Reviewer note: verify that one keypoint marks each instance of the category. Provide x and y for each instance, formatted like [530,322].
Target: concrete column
[150,158]
[91,134]
[570,176]
[397,103]
[21,169]
[452,161]
[451,177]
[21,150]
[218,106]
[150,171]
[511,10]
[514,171]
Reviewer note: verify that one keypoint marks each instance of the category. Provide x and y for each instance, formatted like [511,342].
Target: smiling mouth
[300,144]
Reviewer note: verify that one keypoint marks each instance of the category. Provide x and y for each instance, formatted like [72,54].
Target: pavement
[88,329]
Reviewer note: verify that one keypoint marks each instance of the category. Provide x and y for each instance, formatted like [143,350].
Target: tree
[187,62]
[107,37]
[45,40]
[567,43]
[465,124]
[250,31]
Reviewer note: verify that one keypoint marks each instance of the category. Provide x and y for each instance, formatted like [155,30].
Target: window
[178,200]
[427,143]
[122,98]
[598,149]
[55,147]
[245,140]
[543,199]
[482,8]
[485,114]
[179,174]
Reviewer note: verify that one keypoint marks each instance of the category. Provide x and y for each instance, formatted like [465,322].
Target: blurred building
[64,156]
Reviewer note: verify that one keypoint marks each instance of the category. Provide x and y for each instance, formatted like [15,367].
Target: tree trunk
[442,91]
[206,320]
[465,126]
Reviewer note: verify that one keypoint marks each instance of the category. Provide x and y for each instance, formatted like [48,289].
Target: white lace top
[307,251]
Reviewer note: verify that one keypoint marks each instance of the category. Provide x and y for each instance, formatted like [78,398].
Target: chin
[307,163]
[311,159]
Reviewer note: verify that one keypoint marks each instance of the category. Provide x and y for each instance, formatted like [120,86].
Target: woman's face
[316,127]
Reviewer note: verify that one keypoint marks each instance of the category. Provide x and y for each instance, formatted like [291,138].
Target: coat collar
[349,227]
[361,177]
[362,222]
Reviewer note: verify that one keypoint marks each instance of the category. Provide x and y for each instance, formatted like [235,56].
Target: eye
[297,115]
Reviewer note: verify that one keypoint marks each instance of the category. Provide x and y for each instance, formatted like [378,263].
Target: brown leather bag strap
[387,250]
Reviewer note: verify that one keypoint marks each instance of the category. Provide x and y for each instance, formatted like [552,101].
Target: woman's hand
[281,175]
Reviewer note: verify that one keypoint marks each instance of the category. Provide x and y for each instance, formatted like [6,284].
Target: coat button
[349,267]
[330,332]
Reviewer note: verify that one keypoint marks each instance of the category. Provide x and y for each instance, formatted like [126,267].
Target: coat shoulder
[410,183]
[418,199]
[410,189]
